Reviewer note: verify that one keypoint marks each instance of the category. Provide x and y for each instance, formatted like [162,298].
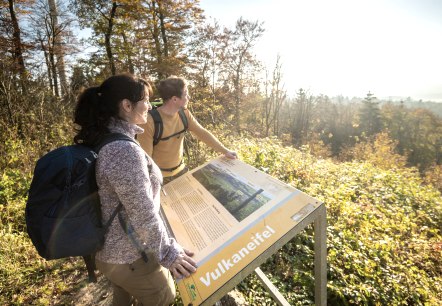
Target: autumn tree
[58,50]
[204,55]
[381,151]
[14,74]
[146,37]
[303,107]
[336,122]
[275,97]
[424,133]
[101,16]
[418,132]
[52,32]
[12,45]
[394,118]
[169,24]
[369,117]
[240,63]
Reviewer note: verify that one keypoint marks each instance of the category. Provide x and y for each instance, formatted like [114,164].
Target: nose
[149,106]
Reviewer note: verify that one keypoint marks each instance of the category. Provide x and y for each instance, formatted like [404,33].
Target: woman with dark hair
[126,174]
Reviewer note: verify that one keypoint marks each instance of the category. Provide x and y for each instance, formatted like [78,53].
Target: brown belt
[174,168]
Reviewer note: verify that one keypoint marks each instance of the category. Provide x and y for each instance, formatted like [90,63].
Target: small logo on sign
[191,290]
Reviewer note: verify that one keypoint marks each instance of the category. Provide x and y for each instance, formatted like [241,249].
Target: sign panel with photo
[228,213]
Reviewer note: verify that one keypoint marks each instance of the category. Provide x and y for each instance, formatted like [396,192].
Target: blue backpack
[63,215]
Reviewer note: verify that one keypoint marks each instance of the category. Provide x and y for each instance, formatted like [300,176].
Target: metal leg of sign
[320,228]
[271,289]
[320,272]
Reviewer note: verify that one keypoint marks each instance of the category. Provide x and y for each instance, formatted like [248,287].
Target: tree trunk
[54,70]
[50,34]
[58,47]
[6,90]
[238,91]
[156,38]
[238,102]
[163,31]
[128,54]
[19,64]
[48,64]
[107,38]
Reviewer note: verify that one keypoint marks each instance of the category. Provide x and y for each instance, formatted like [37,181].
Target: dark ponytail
[97,105]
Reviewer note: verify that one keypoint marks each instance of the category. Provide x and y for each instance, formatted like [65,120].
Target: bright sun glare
[391,48]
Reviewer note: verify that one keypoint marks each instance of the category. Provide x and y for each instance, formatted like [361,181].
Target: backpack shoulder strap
[158,125]
[111,137]
[108,138]
[183,118]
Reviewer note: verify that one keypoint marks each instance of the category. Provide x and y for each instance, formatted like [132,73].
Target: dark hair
[173,86]
[97,105]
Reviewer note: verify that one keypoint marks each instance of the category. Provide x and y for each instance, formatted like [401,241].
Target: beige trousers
[149,283]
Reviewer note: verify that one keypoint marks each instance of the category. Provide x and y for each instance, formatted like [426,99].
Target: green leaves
[384,240]
[384,230]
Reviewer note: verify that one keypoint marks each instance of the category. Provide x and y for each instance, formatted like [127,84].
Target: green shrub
[384,230]
[384,236]
[26,278]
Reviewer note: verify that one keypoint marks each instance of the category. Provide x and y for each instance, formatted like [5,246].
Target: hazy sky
[347,47]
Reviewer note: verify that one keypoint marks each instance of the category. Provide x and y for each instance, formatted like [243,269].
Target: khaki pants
[149,283]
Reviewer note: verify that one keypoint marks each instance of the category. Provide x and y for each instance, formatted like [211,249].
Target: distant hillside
[435,107]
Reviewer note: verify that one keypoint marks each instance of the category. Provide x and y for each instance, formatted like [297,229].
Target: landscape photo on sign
[239,198]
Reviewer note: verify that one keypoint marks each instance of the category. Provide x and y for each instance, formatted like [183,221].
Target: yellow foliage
[434,176]
[379,151]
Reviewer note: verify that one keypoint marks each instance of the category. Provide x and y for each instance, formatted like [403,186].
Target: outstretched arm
[208,138]
[231,154]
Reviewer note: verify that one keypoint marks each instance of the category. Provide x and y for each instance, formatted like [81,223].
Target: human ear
[126,105]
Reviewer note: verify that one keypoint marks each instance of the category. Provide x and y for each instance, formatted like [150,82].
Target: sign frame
[218,206]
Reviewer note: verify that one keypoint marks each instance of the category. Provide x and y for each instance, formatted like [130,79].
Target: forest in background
[365,158]
[43,67]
